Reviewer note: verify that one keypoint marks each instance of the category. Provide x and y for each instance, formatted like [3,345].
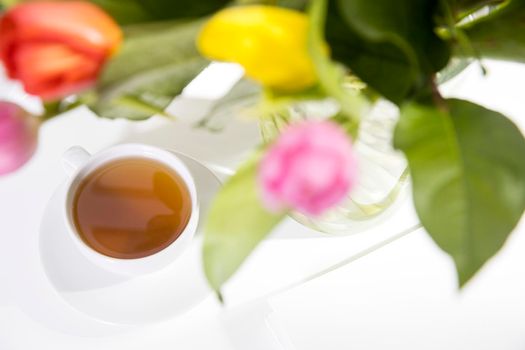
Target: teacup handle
[74,158]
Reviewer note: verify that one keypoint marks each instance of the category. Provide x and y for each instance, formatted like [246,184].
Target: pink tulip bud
[310,168]
[18,137]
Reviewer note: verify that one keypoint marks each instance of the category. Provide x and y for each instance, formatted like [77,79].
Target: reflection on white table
[403,296]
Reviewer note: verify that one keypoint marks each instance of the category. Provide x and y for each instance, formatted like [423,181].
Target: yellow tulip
[269,42]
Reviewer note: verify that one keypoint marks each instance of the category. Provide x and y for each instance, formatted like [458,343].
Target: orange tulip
[57,48]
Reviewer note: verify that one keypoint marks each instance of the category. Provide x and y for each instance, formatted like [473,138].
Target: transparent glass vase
[383,172]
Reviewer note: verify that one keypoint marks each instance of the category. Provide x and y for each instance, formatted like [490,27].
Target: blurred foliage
[138,11]
[136,86]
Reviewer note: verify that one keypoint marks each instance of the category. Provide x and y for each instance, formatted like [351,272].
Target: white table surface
[402,296]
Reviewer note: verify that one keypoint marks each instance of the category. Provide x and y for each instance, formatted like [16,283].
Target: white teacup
[78,164]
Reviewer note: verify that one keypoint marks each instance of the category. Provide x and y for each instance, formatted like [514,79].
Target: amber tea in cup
[131,208]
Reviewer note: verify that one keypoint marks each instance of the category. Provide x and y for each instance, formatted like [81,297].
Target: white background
[402,296]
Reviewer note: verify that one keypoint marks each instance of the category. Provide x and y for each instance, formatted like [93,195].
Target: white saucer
[119,300]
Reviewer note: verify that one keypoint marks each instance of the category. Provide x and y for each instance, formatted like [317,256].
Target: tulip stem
[51,110]
[331,76]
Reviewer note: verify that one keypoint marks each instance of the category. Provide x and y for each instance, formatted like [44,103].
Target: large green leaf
[152,67]
[237,222]
[391,45]
[468,169]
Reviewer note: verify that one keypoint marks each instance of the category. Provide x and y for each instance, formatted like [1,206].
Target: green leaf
[124,11]
[463,8]
[169,9]
[237,222]
[501,34]
[468,171]
[152,67]
[137,11]
[390,45]
[9,3]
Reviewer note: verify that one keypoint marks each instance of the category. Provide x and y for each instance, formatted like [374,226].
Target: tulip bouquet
[129,58]
[467,163]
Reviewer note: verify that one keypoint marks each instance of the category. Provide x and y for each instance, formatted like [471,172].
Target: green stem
[457,34]
[438,100]
[55,108]
[51,110]
[331,76]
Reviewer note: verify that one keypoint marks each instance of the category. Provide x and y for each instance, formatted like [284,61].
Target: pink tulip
[310,168]
[18,137]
